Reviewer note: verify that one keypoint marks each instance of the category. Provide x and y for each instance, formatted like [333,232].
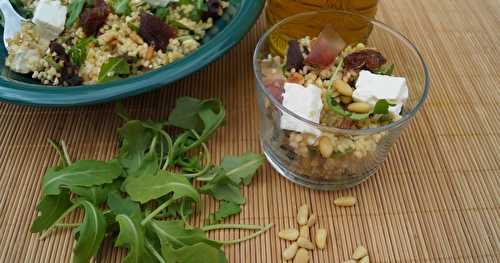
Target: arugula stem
[170,149]
[68,225]
[49,230]
[153,144]
[156,211]
[65,152]
[59,151]
[243,239]
[153,251]
[231,226]
[335,73]
[208,160]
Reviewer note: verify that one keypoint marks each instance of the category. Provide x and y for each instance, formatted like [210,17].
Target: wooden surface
[436,199]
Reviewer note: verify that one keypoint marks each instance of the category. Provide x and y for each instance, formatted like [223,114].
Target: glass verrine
[357,153]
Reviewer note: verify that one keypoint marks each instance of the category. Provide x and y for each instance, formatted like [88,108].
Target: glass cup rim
[401,37]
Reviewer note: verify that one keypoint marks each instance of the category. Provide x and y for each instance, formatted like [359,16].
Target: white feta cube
[371,88]
[305,102]
[160,3]
[50,18]
[24,60]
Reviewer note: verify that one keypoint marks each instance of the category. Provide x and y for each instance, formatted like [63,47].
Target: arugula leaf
[121,7]
[131,236]
[386,69]
[242,168]
[96,194]
[196,253]
[226,209]
[193,114]
[81,173]
[74,10]
[162,13]
[221,187]
[90,233]
[113,69]
[136,140]
[174,233]
[148,187]
[125,206]
[78,52]
[50,209]
[335,107]
[381,107]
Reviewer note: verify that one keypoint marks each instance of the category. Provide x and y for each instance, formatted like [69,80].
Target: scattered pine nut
[290,251]
[345,201]
[359,252]
[312,220]
[305,243]
[321,236]
[302,215]
[365,260]
[302,256]
[289,234]
[304,232]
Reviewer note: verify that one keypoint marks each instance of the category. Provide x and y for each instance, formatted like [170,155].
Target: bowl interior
[238,18]
[353,28]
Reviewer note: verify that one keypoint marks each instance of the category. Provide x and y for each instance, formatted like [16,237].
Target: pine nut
[302,256]
[312,220]
[290,251]
[321,236]
[325,147]
[345,201]
[346,100]
[342,87]
[305,243]
[302,215]
[150,53]
[365,260]
[304,232]
[359,252]
[289,234]
[359,107]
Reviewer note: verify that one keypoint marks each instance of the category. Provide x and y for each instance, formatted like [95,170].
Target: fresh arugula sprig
[381,107]
[145,196]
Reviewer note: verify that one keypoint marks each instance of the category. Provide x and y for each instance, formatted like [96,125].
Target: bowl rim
[19,92]
[401,37]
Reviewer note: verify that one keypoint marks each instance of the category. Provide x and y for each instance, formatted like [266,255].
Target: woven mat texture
[436,198]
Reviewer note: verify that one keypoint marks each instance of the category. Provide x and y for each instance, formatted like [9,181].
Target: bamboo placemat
[436,198]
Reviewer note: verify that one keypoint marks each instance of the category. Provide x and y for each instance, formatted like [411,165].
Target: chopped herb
[121,7]
[113,69]
[75,8]
[386,69]
[78,53]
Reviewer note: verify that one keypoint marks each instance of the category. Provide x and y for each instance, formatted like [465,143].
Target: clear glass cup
[361,151]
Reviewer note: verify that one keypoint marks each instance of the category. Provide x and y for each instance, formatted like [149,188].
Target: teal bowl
[228,30]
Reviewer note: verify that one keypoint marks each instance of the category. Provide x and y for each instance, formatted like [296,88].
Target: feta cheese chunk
[160,3]
[305,102]
[49,18]
[372,87]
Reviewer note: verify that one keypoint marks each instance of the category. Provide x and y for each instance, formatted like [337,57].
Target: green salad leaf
[50,209]
[75,8]
[144,197]
[148,187]
[386,69]
[78,52]
[131,236]
[162,13]
[121,7]
[81,173]
[113,69]
[226,209]
[90,233]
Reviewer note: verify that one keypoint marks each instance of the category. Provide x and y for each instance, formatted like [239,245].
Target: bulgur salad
[329,83]
[74,42]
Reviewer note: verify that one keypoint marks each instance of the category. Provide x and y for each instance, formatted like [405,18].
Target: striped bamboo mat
[436,199]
